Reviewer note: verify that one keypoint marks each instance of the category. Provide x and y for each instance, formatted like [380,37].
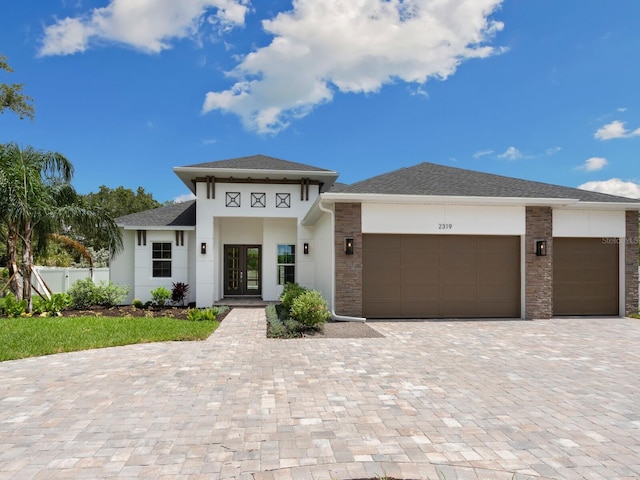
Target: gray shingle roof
[431,179]
[175,215]
[259,162]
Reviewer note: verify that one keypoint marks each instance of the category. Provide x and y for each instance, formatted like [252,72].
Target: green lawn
[35,336]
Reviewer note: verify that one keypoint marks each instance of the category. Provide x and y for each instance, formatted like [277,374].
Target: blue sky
[543,90]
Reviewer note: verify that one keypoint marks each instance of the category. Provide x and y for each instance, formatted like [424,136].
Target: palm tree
[39,201]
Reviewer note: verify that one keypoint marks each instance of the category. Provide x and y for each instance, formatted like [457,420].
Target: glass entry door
[242,270]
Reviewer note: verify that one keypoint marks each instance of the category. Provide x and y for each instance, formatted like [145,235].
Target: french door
[242,272]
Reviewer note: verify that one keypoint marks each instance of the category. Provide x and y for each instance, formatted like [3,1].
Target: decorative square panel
[258,200]
[233,199]
[283,200]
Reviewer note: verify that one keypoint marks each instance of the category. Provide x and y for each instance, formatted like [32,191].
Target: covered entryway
[242,272]
[440,276]
[585,276]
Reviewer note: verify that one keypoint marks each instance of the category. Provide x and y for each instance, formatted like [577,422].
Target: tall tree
[11,96]
[38,201]
[117,202]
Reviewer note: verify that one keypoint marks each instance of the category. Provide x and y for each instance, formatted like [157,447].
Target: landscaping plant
[179,292]
[310,309]
[11,307]
[289,293]
[160,296]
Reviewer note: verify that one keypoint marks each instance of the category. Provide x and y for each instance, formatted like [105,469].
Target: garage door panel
[417,293]
[442,276]
[417,309]
[585,276]
[383,309]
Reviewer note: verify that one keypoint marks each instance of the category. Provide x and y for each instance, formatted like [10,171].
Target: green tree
[11,96]
[38,201]
[116,202]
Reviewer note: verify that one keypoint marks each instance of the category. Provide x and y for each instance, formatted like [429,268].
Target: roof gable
[259,162]
[174,215]
[439,180]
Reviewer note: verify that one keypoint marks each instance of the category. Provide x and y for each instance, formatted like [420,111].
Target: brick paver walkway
[468,400]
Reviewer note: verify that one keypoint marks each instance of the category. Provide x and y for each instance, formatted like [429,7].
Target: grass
[36,336]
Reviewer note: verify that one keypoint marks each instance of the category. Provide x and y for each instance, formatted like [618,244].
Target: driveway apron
[516,399]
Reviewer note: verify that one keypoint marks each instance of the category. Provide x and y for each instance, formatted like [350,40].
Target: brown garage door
[585,276]
[440,276]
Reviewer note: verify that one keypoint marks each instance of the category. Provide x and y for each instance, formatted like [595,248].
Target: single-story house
[427,241]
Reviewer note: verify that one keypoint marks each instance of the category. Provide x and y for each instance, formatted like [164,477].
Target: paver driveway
[476,399]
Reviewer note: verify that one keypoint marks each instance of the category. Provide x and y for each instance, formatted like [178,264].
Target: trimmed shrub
[310,309]
[289,293]
[160,296]
[83,294]
[110,294]
[137,303]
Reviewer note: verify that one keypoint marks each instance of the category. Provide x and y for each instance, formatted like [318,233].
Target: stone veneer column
[631,263]
[348,218]
[538,270]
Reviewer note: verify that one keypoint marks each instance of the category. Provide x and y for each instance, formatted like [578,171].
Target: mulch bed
[131,311]
[331,329]
[346,330]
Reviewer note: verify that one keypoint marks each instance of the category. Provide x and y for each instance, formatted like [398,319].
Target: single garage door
[585,276]
[440,276]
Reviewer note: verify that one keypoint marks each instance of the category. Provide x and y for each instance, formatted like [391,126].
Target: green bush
[290,292]
[160,296]
[83,294]
[204,315]
[310,309]
[11,307]
[110,294]
[56,304]
[137,303]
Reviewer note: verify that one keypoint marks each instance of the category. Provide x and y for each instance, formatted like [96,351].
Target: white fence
[59,280]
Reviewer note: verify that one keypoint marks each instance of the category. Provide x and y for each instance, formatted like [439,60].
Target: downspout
[334,315]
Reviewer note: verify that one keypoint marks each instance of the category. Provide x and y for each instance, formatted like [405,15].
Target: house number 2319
[445,226]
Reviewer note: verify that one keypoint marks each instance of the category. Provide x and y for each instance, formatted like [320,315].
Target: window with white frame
[161,257]
[286,264]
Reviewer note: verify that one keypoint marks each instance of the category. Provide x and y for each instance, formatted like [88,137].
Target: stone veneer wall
[631,263]
[538,270]
[348,224]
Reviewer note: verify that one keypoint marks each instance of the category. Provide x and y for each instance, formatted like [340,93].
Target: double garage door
[440,276]
[455,276]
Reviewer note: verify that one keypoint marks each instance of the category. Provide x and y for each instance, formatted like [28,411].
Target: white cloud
[482,153]
[615,129]
[184,198]
[146,25]
[552,150]
[593,164]
[320,47]
[614,186]
[512,153]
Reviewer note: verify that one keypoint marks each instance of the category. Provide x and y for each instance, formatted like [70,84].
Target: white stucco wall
[321,252]
[277,231]
[219,225]
[588,223]
[144,281]
[443,219]
[121,267]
